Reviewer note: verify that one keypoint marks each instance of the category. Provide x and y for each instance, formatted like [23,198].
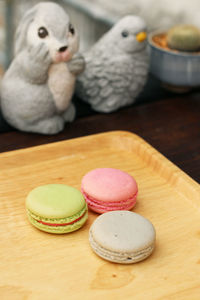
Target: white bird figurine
[116,67]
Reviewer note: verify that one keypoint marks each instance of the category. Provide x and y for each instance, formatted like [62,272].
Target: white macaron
[122,237]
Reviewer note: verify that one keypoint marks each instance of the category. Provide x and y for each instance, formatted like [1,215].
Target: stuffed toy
[38,86]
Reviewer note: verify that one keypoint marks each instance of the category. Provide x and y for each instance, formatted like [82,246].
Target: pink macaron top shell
[109,185]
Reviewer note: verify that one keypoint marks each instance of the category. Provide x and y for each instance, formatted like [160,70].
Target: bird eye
[42,32]
[71,29]
[124,33]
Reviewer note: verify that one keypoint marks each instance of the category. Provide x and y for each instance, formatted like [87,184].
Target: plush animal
[38,86]
[116,67]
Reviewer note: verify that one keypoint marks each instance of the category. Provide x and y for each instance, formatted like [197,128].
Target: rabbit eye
[125,33]
[71,29]
[42,32]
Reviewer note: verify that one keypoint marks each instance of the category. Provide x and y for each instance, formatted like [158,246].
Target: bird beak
[141,36]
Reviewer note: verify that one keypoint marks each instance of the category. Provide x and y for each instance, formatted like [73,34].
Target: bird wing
[101,75]
[110,82]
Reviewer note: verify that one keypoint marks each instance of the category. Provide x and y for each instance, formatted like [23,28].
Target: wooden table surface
[172,126]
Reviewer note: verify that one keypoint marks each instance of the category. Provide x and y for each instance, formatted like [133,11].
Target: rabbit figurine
[38,86]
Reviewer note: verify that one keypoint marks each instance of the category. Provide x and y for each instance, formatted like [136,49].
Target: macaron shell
[109,185]
[55,201]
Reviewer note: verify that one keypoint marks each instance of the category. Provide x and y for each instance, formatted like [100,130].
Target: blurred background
[93,18]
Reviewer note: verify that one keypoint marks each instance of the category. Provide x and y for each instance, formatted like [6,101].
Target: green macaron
[56,208]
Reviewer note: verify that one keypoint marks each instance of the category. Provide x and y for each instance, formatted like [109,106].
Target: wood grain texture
[35,265]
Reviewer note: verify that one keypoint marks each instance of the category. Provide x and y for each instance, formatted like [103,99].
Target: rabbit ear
[21,32]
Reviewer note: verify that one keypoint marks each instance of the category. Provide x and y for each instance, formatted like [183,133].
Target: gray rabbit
[38,86]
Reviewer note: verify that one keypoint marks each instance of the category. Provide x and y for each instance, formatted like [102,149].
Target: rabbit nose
[62,49]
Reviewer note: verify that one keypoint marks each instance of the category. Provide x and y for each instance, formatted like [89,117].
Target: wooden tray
[38,266]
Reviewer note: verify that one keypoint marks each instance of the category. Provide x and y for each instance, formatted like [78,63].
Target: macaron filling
[109,206]
[61,224]
[56,227]
[58,222]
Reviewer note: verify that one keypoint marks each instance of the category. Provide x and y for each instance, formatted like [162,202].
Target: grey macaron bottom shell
[122,258]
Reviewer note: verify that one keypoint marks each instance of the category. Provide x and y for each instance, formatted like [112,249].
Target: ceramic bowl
[175,68]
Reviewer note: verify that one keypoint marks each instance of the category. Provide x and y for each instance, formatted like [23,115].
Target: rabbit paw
[40,54]
[70,113]
[77,64]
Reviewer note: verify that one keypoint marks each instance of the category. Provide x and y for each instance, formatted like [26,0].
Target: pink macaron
[107,189]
